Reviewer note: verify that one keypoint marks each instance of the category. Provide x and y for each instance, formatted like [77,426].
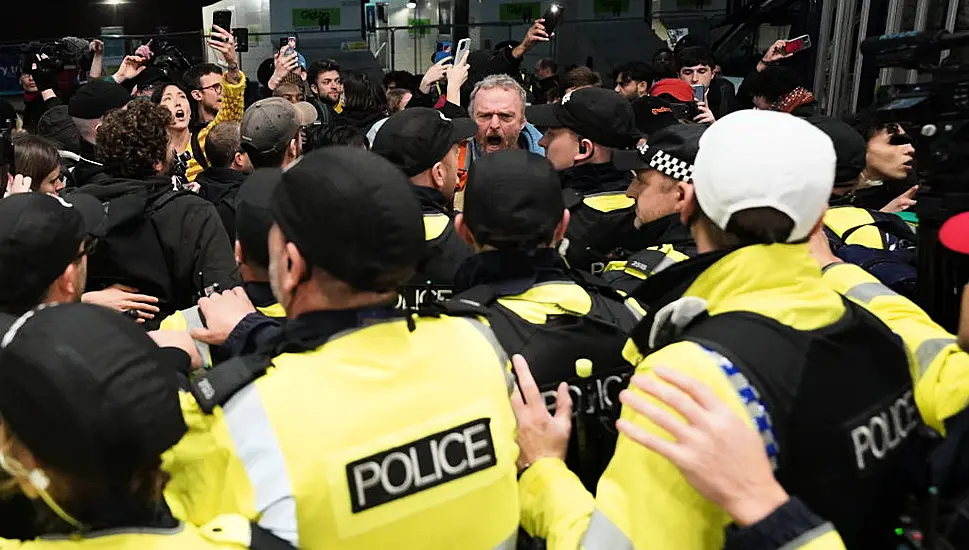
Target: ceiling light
[411,5]
[115,2]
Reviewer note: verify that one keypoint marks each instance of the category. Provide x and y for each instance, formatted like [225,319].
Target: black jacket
[668,241]
[359,119]
[599,233]
[35,108]
[445,251]
[722,97]
[88,167]
[197,252]
[220,187]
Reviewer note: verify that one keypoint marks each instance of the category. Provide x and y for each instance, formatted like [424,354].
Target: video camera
[936,115]
[168,59]
[55,56]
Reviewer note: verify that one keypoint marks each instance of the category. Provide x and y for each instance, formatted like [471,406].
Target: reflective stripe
[637,310]
[808,536]
[509,544]
[929,350]
[489,335]
[260,453]
[668,260]
[866,292]
[603,534]
[193,320]
[752,402]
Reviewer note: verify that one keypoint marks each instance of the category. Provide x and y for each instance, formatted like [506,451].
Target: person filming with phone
[218,96]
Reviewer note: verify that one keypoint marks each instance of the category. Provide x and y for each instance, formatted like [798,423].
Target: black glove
[44,72]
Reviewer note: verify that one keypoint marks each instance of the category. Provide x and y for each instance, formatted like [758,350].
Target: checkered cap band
[673,167]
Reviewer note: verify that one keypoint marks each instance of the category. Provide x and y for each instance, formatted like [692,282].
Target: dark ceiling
[39,19]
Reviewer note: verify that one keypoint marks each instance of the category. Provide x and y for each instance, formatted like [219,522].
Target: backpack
[894,265]
[130,252]
[554,350]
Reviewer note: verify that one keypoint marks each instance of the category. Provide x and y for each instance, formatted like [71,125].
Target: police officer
[89,404]
[570,327]
[424,144]
[584,131]
[663,178]
[360,436]
[254,219]
[824,383]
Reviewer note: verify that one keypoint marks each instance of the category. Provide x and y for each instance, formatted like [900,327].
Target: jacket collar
[432,200]
[594,178]
[311,330]
[261,294]
[763,279]
[666,230]
[512,271]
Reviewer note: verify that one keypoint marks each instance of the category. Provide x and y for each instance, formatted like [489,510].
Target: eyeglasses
[217,87]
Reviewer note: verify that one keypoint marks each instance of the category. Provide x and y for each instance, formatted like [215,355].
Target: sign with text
[520,12]
[316,18]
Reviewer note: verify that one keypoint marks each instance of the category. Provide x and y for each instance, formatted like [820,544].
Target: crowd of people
[478,308]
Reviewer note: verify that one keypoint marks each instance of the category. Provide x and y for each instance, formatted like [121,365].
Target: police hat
[672,151]
[88,392]
[513,199]
[353,214]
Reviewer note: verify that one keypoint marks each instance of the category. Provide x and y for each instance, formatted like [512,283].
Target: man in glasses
[219,96]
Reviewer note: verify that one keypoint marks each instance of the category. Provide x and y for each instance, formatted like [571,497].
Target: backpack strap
[214,387]
[719,336]
[197,153]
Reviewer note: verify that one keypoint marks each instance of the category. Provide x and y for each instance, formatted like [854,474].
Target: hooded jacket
[220,187]
[197,252]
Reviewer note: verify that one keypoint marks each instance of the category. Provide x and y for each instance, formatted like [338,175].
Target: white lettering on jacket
[420,465]
[884,431]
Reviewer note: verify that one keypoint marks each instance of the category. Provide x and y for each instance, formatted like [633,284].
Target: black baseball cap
[598,114]
[94,99]
[354,214]
[416,139]
[88,392]
[850,149]
[653,114]
[513,199]
[671,151]
[254,215]
[40,236]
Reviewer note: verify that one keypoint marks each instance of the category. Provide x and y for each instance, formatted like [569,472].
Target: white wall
[251,14]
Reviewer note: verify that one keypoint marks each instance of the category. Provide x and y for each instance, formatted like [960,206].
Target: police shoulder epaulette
[216,386]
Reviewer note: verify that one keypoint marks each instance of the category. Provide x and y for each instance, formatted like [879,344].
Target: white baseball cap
[756,159]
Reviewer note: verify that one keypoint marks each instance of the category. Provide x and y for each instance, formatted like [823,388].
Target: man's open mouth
[493,140]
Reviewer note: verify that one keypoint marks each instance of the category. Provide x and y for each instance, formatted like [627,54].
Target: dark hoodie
[197,252]
[360,119]
[220,187]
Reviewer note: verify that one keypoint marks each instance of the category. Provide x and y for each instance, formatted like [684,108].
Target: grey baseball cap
[270,124]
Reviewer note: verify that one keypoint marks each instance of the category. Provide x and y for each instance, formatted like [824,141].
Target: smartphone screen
[552,16]
[223,19]
[699,93]
[291,42]
[797,44]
